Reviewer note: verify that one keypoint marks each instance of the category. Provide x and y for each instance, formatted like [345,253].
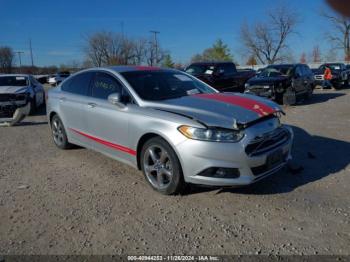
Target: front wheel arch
[140,144]
[52,114]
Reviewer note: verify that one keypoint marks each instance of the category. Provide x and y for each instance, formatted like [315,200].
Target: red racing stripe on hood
[250,104]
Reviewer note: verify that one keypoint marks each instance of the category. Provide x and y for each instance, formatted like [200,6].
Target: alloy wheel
[158,167]
[57,132]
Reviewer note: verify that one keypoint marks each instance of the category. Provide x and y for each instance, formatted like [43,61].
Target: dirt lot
[81,202]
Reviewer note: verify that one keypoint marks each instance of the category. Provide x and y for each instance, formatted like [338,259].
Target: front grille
[267,142]
[12,97]
[259,170]
[7,111]
[260,90]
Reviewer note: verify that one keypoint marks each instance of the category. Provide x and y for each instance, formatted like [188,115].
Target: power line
[31,51]
[20,60]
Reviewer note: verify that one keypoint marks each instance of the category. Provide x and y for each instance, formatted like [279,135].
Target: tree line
[262,42]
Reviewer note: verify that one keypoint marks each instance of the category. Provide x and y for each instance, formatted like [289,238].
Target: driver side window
[104,84]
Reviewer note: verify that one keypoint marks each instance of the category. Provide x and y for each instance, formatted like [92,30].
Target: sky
[57,29]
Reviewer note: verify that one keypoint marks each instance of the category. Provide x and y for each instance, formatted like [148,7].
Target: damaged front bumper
[266,92]
[12,112]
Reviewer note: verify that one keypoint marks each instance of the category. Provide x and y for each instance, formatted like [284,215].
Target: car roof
[332,64]
[19,75]
[283,65]
[122,69]
[212,63]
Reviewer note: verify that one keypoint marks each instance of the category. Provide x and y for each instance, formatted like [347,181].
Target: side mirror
[115,99]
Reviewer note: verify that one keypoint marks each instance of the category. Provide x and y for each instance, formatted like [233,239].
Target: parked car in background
[170,125]
[283,83]
[20,95]
[223,76]
[58,78]
[42,79]
[340,75]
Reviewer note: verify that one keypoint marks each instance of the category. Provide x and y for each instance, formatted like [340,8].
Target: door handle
[62,99]
[92,105]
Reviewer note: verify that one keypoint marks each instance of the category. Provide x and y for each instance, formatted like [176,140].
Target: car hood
[12,89]
[267,80]
[225,110]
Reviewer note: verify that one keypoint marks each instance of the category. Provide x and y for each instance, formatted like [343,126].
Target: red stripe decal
[106,143]
[146,68]
[247,103]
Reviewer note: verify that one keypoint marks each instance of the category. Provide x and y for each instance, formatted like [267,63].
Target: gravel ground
[81,202]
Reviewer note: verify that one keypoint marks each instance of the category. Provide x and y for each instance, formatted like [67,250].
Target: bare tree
[6,59]
[303,58]
[140,46]
[107,48]
[316,54]
[340,35]
[251,61]
[267,40]
[331,56]
[154,53]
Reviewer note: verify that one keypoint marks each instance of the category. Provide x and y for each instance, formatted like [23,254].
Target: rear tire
[59,133]
[161,167]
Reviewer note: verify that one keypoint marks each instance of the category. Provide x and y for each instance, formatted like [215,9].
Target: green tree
[168,62]
[218,52]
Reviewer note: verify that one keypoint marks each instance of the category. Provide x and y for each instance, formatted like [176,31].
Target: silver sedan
[172,126]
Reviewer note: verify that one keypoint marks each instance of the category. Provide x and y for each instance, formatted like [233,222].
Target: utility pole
[155,43]
[20,60]
[122,28]
[31,51]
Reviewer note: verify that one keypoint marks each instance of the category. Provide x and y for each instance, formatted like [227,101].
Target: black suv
[223,76]
[283,83]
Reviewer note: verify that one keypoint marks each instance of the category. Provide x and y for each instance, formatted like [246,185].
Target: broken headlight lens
[211,134]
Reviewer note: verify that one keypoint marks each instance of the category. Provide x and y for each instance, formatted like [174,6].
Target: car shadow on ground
[320,98]
[318,156]
[30,123]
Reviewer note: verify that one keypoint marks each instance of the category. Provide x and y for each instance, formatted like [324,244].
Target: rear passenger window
[78,84]
[104,84]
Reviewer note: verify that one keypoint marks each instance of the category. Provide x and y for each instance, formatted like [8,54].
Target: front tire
[309,92]
[59,133]
[33,106]
[290,97]
[161,167]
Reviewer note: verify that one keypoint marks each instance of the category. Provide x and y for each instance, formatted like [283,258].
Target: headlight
[22,96]
[211,134]
[246,85]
